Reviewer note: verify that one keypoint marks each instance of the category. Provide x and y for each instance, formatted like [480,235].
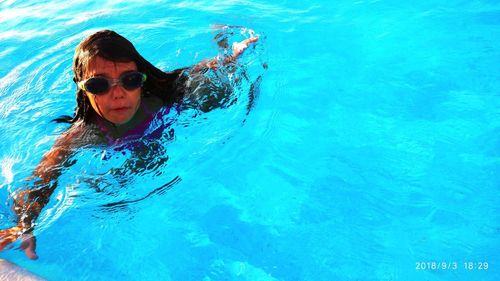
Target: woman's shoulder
[80,134]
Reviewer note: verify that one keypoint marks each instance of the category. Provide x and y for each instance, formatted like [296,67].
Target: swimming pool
[372,149]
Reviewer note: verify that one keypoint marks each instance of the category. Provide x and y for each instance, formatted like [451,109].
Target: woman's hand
[10,235]
[240,47]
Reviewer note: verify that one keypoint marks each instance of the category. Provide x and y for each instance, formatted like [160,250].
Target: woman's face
[118,105]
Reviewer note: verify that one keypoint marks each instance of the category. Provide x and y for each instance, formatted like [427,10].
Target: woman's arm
[29,203]
[207,89]
[238,49]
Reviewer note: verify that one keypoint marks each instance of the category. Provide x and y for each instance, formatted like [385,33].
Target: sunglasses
[101,85]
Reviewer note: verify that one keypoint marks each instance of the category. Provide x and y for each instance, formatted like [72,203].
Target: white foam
[6,169]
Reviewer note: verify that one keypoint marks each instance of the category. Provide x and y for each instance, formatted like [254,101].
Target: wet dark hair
[111,46]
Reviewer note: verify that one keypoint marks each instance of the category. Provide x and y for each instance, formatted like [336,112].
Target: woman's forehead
[101,66]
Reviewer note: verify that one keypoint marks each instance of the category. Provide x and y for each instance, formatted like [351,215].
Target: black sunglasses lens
[131,81]
[97,85]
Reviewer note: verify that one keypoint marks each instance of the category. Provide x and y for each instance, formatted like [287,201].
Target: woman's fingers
[250,40]
[9,236]
[28,246]
[239,47]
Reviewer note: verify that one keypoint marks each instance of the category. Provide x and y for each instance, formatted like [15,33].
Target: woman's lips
[121,109]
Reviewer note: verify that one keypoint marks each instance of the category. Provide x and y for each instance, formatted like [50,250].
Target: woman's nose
[117,91]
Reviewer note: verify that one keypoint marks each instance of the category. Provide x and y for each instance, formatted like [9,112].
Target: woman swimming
[118,93]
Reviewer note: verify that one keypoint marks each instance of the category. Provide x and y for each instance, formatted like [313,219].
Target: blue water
[373,145]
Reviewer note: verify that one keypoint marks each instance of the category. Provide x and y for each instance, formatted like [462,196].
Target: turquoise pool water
[372,149]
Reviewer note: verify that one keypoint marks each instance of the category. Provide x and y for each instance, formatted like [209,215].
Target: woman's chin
[120,119]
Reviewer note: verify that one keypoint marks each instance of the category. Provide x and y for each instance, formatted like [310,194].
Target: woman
[118,93]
